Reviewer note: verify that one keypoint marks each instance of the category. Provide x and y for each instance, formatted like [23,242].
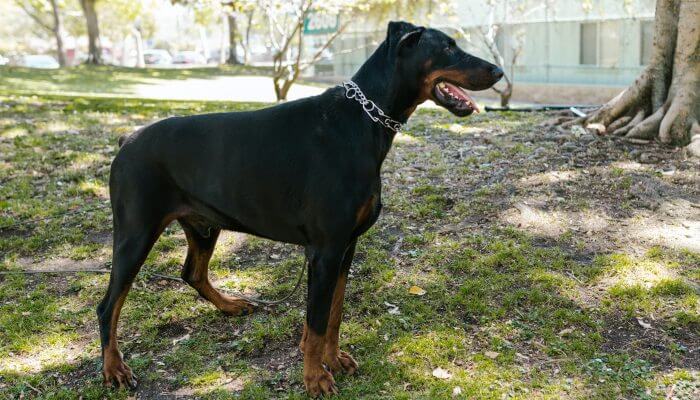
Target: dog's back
[253,171]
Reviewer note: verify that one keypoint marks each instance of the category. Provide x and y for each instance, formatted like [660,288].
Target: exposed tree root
[622,131]
[617,126]
[664,101]
[621,104]
[694,146]
[648,128]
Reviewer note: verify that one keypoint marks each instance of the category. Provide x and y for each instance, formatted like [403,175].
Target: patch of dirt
[14,232]
[60,264]
[172,329]
[103,237]
[605,193]
[262,251]
[666,352]
[580,256]
[279,358]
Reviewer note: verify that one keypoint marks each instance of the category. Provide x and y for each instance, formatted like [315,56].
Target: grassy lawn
[555,265]
[106,80]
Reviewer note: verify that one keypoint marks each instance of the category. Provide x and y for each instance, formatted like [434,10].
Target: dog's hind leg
[132,242]
[196,271]
[335,359]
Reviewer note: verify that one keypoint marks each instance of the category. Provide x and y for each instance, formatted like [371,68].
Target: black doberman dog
[305,172]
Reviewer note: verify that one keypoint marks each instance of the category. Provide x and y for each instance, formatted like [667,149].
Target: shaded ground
[555,265]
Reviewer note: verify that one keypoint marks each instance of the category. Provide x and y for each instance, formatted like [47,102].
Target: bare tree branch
[33,15]
[326,45]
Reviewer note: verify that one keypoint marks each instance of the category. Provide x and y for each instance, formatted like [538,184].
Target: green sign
[320,23]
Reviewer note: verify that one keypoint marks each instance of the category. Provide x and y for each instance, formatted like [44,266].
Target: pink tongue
[462,95]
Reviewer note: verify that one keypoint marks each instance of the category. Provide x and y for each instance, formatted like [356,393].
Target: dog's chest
[367,213]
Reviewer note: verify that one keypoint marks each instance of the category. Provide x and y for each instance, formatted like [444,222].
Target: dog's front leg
[324,270]
[335,359]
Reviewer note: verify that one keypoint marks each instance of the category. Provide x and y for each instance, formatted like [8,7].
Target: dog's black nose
[497,73]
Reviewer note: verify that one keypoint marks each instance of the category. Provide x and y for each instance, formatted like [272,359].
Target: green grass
[105,80]
[507,316]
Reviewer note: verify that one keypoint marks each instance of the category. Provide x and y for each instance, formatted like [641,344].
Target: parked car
[39,61]
[157,57]
[189,58]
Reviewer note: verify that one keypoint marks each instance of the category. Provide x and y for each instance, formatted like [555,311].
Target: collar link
[353,92]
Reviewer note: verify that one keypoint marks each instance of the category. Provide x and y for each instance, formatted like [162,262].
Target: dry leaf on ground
[417,290]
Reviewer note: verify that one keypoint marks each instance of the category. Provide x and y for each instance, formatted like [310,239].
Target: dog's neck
[379,81]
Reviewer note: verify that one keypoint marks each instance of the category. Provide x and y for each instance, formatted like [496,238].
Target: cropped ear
[396,32]
[409,41]
[396,29]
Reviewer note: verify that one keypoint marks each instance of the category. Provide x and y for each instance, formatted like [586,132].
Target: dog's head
[441,71]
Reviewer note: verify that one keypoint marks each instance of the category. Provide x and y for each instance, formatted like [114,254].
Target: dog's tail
[122,139]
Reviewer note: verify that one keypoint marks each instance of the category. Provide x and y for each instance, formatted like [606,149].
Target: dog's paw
[115,371]
[236,307]
[320,382]
[341,362]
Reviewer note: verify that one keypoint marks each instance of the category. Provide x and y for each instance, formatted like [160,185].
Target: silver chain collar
[352,91]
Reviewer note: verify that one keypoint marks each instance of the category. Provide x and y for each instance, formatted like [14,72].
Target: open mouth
[454,98]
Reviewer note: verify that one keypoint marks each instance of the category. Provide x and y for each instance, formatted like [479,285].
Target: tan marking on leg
[227,304]
[336,359]
[317,380]
[113,366]
[199,279]
[303,339]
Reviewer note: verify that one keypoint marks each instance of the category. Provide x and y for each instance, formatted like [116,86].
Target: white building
[570,50]
[566,41]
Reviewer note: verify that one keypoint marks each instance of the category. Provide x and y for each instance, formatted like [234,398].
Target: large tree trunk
[245,40]
[138,42]
[36,12]
[204,42]
[93,29]
[663,103]
[58,33]
[232,33]
[223,43]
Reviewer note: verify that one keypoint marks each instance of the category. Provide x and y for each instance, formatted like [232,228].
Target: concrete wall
[477,12]
[539,93]
[551,52]
[549,68]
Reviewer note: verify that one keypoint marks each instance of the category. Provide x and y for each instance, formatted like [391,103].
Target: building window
[600,43]
[609,43]
[647,42]
[589,44]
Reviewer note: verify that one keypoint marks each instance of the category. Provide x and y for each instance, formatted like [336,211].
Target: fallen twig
[572,276]
[168,277]
[63,271]
[397,247]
